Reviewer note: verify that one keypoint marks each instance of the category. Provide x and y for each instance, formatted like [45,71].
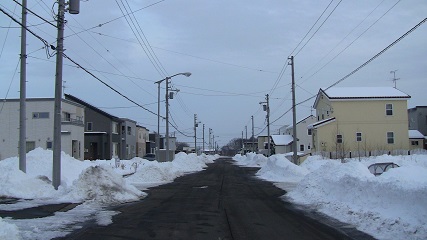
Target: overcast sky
[235,51]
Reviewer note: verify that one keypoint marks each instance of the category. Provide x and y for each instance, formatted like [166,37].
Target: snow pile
[389,206]
[102,184]
[94,184]
[279,169]
[8,231]
[251,159]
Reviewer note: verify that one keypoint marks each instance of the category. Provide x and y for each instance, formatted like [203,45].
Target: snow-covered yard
[94,184]
[390,206]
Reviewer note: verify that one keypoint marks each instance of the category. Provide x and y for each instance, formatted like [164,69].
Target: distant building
[39,125]
[417,119]
[141,140]
[305,141]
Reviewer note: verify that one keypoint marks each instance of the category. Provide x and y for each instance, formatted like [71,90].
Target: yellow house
[360,120]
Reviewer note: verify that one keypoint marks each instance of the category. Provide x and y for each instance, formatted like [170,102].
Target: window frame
[340,138]
[358,137]
[390,138]
[302,147]
[309,131]
[89,129]
[389,111]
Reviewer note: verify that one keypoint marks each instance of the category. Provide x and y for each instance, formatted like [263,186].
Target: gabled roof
[291,126]
[321,123]
[77,100]
[281,140]
[345,93]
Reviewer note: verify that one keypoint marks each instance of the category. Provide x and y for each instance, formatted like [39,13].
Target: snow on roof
[415,134]
[365,92]
[321,123]
[282,139]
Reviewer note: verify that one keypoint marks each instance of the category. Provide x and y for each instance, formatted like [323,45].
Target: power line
[117,18]
[35,14]
[333,10]
[106,84]
[371,59]
[351,43]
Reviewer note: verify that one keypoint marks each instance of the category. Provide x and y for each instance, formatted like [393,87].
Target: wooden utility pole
[294,116]
[23,92]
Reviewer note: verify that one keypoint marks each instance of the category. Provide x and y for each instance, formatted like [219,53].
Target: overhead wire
[351,43]
[10,85]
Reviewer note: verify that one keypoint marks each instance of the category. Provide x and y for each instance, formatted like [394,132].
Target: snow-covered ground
[94,184]
[389,206]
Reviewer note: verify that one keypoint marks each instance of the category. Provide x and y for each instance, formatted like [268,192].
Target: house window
[389,109]
[89,126]
[301,148]
[309,131]
[308,147]
[318,118]
[29,146]
[67,116]
[37,115]
[129,131]
[390,137]
[323,116]
[115,128]
[49,145]
[123,130]
[115,149]
[359,137]
[414,143]
[339,138]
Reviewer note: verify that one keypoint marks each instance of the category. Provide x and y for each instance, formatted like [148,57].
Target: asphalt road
[223,202]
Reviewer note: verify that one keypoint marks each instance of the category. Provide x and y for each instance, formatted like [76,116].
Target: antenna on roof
[394,77]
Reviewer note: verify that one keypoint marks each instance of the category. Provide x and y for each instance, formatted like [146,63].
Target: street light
[167,79]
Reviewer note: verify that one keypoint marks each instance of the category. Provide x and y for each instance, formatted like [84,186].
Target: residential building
[416,140]
[141,140]
[128,138]
[417,118]
[360,120]
[106,136]
[263,145]
[282,143]
[39,126]
[305,140]
[151,143]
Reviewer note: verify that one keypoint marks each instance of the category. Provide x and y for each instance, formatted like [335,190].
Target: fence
[357,154]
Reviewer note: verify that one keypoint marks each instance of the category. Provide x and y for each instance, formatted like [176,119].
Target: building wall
[368,118]
[302,134]
[141,141]
[418,119]
[128,139]
[40,129]
[100,123]
[416,144]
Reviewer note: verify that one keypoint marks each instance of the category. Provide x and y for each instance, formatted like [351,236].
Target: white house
[282,143]
[305,141]
[39,124]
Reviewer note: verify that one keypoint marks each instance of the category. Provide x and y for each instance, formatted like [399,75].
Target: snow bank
[250,160]
[102,184]
[390,206]
[8,231]
[95,183]
[279,169]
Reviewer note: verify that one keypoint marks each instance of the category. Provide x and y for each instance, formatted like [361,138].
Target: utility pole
[242,142]
[268,125]
[158,121]
[23,92]
[195,133]
[56,175]
[294,114]
[203,138]
[253,137]
[210,132]
[266,107]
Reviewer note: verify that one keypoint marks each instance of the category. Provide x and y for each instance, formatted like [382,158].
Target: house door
[93,150]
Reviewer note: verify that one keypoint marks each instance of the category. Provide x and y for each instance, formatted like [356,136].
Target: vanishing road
[223,202]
